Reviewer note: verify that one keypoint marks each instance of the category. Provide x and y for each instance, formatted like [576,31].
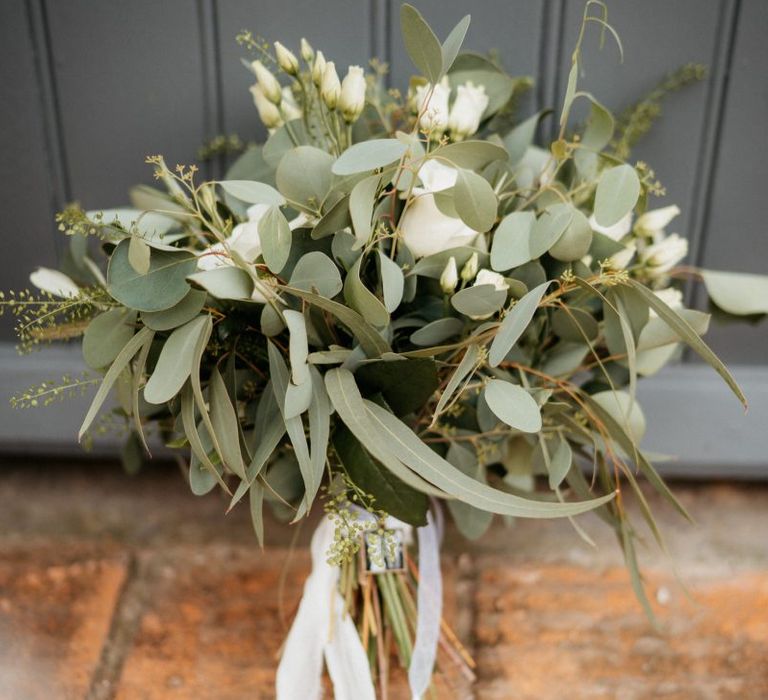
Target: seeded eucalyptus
[398,299]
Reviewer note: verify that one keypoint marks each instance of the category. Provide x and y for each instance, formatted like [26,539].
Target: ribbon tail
[299,674]
[430,610]
[346,659]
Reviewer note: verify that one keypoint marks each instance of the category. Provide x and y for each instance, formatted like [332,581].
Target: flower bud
[289,108]
[450,276]
[330,88]
[352,98]
[467,110]
[318,68]
[434,113]
[269,84]
[268,110]
[664,255]
[307,52]
[286,59]
[469,270]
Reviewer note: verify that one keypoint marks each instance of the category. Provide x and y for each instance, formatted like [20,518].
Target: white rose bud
[352,98]
[671,296]
[330,88]
[450,276]
[467,111]
[318,68]
[288,107]
[435,117]
[616,232]
[269,113]
[307,52]
[286,59]
[652,223]
[269,84]
[494,279]
[664,255]
[469,270]
[620,260]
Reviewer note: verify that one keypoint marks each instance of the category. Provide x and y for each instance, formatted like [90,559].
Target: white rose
[352,99]
[435,118]
[425,229]
[245,241]
[536,164]
[54,282]
[318,68]
[467,111]
[665,254]
[616,232]
[652,223]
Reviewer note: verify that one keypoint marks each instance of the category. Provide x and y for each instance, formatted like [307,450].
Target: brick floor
[135,590]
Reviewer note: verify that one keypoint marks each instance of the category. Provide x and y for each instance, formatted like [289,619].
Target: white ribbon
[323,629]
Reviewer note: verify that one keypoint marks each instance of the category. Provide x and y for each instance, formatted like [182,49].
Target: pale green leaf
[138,255]
[225,424]
[464,371]
[511,241]
[362,300]
[475,200]
[275,235]
[737,293]
[107,335]
[189,307]
[472,155]
[369,155]
[253,192]
[392,282]
[452,44]
[514,324]
[361,203]
[316,272]
[304,176]
[226,282]
[422,45]
[617,193]
[513,405]
[175,363]
[479,301]
[145,335]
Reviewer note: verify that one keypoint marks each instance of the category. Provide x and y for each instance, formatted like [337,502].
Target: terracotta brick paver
[55,611]
[550,632]
[112,588]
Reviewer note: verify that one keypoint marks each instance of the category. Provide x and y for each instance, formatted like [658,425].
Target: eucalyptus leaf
[139,255]
[145,335]
[369,155]
[471,155]
[253,192]
[513,405]
[304,176]
[511,241]
[472,522]
[275,235]
[479,301]
[520,138]
[514,324]
[225,424]
[175,363]
[189,307]
[406,384]
[226,282]
[392,282]
[422,45]
[335,219]
[617,193]
[576,240]
[408,447]
[316,272]
[548,229]
[106,335]
[391,494]
[361,203]
[737,293]
[689,336]
[462,372]
[437,331]
[452,44]
[362,300]
[475,200]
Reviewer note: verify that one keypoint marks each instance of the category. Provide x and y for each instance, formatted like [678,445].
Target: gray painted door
[90,88]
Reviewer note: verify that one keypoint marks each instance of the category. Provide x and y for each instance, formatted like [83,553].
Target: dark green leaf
[405,384]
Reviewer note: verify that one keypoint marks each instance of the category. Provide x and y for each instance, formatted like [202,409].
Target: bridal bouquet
[398,305]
